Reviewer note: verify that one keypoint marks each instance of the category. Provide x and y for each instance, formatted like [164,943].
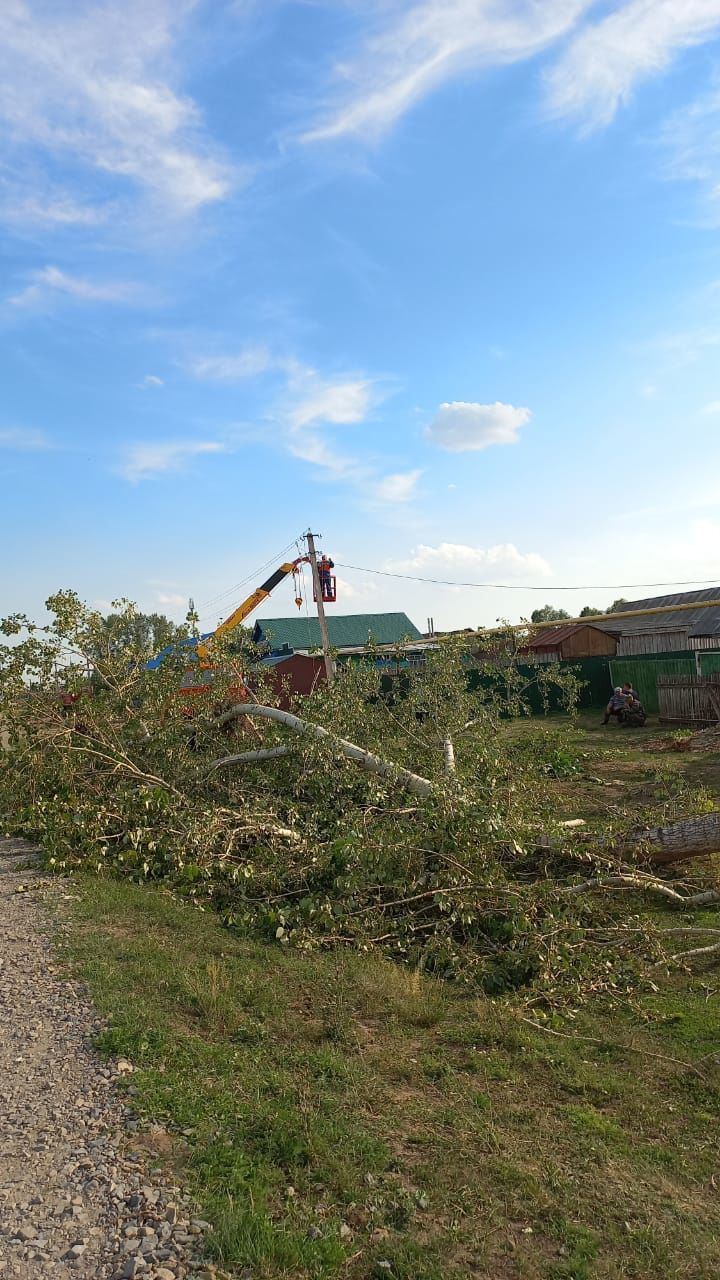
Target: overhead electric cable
[251,577]
[521,586]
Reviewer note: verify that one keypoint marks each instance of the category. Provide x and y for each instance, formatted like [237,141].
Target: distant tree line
[549,613]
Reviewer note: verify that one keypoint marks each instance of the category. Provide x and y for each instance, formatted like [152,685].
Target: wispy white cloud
[97,83]
[305,405]
[606,60]
[418,45]
[312,406]
[691,139]
[145,460]
[713,407]
[310,398]
[460,559]
[311,447]
[171,598]
[246,363]
[462,427]
[340,401]
[52,209]
[306,409]
[152,380]
[685,346]
[23,439]
[50,280]
[400,487]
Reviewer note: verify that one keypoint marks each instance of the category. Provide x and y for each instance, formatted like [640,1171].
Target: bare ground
[76,1200]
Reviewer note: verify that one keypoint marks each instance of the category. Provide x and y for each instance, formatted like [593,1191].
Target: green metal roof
[351,630]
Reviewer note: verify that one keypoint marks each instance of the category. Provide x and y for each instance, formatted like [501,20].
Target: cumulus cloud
[145,460]
[95,82]
[418,45]
[399,487]
[606,60]
[458,558]
[461,427]
[23,439]
[50,280]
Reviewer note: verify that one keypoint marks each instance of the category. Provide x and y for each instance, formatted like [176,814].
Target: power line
[251,577]
[519,586]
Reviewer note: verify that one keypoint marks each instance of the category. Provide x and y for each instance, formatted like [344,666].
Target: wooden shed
[291,674]
[571,640]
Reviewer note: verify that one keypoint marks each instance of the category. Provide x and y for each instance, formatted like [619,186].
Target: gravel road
[75,1199]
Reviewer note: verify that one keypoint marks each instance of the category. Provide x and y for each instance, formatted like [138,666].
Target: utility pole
[317,587]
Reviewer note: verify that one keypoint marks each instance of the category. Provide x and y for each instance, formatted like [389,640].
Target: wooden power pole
[317,587]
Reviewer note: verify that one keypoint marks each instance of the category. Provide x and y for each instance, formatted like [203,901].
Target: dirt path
[75,1201]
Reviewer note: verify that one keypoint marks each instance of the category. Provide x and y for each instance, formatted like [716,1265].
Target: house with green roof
[352,631]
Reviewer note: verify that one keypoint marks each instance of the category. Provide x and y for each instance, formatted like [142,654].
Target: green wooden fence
[709,662]
[600,675]
[642,673]
[594,674]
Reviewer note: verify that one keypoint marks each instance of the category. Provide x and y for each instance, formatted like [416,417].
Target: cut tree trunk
[690,838]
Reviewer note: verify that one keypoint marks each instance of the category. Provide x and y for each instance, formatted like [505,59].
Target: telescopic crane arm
[251,603]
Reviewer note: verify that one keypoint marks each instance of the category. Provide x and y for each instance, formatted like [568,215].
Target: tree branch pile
[402,817]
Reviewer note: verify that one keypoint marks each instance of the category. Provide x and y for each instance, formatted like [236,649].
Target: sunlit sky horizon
[439,279]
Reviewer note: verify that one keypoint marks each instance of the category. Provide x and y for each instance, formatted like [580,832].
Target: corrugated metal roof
[277,659]
[680,597]
[349,631]
[700,621]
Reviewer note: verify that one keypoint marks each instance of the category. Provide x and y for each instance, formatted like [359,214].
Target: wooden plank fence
[691,700]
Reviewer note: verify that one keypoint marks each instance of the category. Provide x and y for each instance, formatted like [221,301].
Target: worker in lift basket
[325,568]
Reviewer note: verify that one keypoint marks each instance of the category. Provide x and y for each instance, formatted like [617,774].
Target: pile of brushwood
[401,813]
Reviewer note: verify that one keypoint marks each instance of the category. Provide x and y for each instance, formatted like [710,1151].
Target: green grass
[338,1116]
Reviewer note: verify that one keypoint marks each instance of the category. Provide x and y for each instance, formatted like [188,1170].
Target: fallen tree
[365,759]
[691,837]
[301,830]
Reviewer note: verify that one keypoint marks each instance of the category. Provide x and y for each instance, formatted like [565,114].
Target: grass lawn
[339,1116]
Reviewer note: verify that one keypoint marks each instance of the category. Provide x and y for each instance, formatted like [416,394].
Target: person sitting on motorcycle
[616,705]
[633,713]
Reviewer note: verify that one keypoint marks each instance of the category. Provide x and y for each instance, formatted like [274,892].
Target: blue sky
[440,278]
